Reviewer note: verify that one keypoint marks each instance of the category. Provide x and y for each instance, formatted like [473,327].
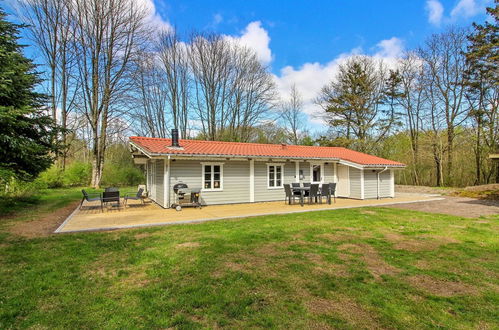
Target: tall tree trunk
[478,151]
[450,154]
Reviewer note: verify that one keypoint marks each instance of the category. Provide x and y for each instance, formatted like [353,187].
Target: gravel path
[459,206]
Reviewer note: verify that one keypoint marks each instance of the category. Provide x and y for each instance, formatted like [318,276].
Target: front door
[343,185]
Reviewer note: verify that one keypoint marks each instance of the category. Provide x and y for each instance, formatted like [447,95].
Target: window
[274,176]
[316,170]
[212,176]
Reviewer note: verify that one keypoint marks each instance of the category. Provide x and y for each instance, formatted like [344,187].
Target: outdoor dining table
[302,191]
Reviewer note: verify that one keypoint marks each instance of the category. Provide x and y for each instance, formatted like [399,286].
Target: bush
[16,188]
[122,176]
[77,174]
[51,178]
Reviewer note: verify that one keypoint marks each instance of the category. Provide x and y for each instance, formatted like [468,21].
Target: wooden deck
[90,218]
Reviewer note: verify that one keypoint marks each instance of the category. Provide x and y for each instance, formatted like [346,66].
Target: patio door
[152,179]
[317,172]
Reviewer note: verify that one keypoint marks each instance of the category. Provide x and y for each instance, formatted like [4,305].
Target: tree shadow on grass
[11,205]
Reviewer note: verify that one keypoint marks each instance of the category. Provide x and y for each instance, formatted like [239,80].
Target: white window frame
[281,165]
[312,174]
[212,176]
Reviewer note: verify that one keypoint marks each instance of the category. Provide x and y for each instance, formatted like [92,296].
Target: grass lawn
[351,268]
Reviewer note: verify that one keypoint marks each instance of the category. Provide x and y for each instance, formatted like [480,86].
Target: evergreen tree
[360,102]
[27,133]
[482,82]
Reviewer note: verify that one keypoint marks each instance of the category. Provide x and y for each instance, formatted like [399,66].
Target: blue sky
[302,42]
[318,31]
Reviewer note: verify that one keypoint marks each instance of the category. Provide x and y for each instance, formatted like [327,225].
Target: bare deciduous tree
[107,35]
[232,90]
[291,113]
[413,102]
[50,29]
[445,65]
[150,116]
[174,60]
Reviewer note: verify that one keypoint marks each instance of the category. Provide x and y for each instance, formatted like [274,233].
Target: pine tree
[482,82]
[27,133]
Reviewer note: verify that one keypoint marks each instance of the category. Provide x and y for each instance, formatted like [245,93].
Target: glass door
[316,173]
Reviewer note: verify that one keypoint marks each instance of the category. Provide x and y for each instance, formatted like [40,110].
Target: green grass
[42,202]
[370,267]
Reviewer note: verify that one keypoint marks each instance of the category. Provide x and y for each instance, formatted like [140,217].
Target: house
[234,172]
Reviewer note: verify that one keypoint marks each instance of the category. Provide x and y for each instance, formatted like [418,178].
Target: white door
[316,172]
[343,185]
[153,180]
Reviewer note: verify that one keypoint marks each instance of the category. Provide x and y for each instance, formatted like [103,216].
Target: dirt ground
[459,206]
[43,226]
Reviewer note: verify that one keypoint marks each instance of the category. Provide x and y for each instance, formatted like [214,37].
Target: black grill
[179,186]
[185,196]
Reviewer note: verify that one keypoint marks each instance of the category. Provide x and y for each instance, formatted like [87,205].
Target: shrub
[51,178]
[122,176]
[77,174]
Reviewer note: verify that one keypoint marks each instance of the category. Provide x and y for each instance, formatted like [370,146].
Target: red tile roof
[239,149]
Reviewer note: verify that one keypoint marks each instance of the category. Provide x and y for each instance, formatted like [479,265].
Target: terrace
[91,218]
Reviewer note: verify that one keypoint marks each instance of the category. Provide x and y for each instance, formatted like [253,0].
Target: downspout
[377,179]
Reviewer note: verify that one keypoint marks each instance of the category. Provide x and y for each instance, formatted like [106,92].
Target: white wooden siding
[328,172]
[370,184]
[262,192]
[305,168]
[236,187]
[355,183]
[385,184]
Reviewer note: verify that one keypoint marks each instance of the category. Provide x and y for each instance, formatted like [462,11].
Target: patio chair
[136,197]
[111,196]
[325,192]
[313,193]
[290,195]
[332,190]
[306,193]
[86,197]
[293,186]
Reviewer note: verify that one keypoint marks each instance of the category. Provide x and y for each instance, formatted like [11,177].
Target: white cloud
[154,18]
[435,11]
[255,37]
[393,48]
[462,10]
[217,19]
[309,78]
[466,8]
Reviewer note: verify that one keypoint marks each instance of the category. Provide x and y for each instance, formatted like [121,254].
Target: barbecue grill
[184,196]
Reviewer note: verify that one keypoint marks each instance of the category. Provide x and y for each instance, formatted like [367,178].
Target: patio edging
[61,226]
[169,223]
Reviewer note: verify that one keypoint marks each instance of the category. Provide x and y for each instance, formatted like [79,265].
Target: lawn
[355,268]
